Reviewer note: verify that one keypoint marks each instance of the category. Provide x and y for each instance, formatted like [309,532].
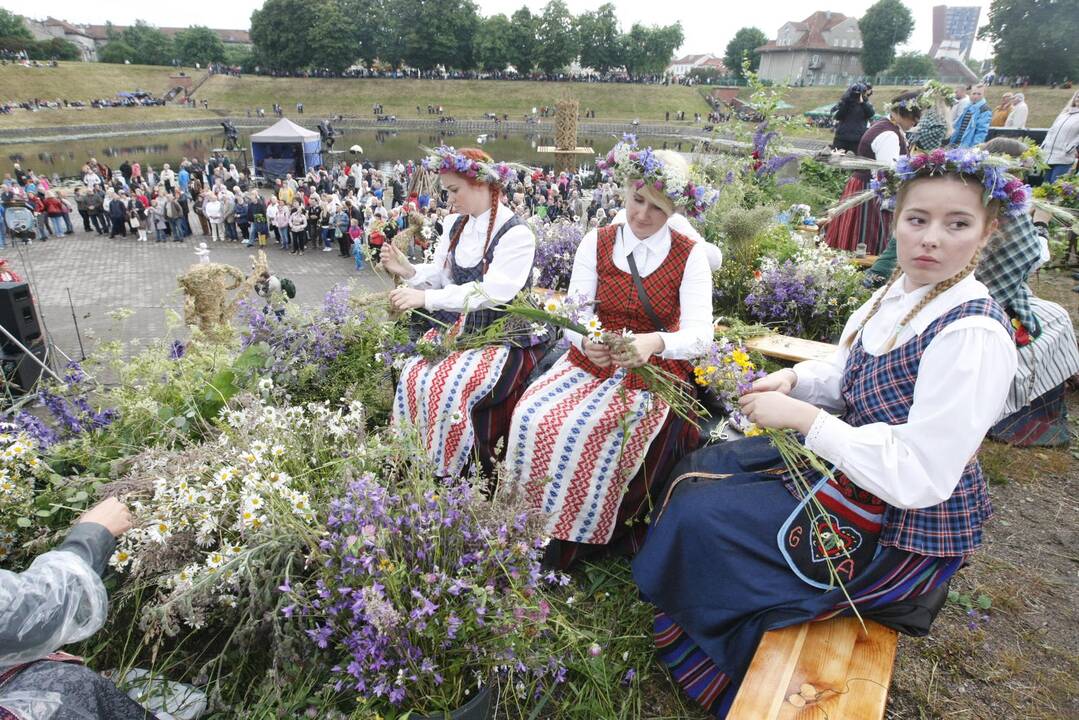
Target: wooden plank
[849,671]
[794,349]
[869,674]
[772,666]
[866,261]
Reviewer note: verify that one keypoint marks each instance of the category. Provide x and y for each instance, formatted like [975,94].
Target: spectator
[118,215]
[215,216]
[853,114]
[1062,140]
[973,124]
[962,101]
[1017,118]
[1001,112]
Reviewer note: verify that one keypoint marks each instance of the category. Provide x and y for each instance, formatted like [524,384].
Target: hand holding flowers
[406,298]
[632,351]
[773,409]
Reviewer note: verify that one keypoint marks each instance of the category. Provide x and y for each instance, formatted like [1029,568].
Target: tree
[241,57]
[150,45]
[55,49]
[523,41]
[556,37]
[330,43]
[600,39]
[885,24]
[648,50]
[744,44]
[494,44]
[913,65]
[440,32]
[117,52]
[364,26]
[198,44]
[12,26]
[279,34]
[1037,38]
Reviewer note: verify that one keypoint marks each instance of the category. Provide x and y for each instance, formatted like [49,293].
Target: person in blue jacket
[972,127]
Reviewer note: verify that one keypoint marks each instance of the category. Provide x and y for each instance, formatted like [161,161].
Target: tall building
[954,30]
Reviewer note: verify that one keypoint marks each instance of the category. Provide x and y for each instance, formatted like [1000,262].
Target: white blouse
[963,380]
[510,266]
[695,293]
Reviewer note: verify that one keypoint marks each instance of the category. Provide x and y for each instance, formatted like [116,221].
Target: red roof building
[823,49]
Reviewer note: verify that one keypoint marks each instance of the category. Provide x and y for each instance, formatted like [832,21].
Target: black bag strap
[642,294]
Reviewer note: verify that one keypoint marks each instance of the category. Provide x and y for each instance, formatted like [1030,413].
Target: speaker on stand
[22,346]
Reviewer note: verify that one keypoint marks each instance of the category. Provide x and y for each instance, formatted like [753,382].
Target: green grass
[459,98]
[355,97]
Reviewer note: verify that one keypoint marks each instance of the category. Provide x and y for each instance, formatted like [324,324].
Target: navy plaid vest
[481,318]
[881,389]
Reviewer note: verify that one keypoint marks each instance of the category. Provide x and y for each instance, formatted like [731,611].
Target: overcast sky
[708,24]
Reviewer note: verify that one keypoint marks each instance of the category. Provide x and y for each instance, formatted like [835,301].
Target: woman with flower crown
[738,548]
[460,405]
[588,443]
[868,224]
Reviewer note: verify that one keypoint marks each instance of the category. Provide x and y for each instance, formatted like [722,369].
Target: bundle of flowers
[726,372]
[555,249]
[1063,193]
[69,406]
[301,344]
[426,593]
[810,295]
[213,517]
[20,469]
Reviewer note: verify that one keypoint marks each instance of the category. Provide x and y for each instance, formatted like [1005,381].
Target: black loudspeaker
[18,316]
[20,372]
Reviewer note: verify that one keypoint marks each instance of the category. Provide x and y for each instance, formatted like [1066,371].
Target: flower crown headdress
[991,170]
[627,161]
[446,159]
[931,92]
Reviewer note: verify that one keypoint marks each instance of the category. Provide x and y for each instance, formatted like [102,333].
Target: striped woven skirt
[590,452]
[712,566]
[461,405]
[866,223]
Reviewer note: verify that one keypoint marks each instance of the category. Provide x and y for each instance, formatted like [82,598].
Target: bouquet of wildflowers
[20,470]
[726,371]
[1062,193]
[212,518]
[425,594]
[572,314]
[555,250]
[810,295]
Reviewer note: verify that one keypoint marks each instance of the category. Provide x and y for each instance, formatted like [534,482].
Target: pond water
[380,147]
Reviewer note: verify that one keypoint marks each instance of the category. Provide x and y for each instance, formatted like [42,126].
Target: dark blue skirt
[713,568]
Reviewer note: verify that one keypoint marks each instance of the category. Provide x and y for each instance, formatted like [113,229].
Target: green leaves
[885,24]
[744,44]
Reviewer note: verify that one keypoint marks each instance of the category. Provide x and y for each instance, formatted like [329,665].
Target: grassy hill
[355,97]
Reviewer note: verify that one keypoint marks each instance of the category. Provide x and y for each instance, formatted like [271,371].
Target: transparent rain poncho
[58,600]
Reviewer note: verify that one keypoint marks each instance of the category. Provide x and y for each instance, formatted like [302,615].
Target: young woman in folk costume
[920,375]
[461,405]
[589,443]
[884,141]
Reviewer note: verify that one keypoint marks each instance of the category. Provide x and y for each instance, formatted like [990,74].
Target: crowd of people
[138,99]
[352,207]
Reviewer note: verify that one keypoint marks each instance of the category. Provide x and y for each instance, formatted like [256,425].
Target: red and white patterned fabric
[580,435]
[438,399]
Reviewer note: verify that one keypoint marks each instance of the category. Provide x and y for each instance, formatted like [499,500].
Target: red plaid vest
[618,306]
[881,389]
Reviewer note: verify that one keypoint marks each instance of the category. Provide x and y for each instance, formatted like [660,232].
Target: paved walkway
[104,275]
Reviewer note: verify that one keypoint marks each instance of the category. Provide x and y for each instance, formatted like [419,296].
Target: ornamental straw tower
[565,137]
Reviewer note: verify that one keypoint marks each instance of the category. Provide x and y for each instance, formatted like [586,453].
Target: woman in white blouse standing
[461,405]
[588,442]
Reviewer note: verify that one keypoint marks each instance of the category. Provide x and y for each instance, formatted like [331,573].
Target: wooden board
[784,347]
[849,671]
[866,261]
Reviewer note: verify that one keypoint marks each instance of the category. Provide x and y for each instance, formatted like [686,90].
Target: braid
[455,236]
[876,305]
[937,290]
[496,193]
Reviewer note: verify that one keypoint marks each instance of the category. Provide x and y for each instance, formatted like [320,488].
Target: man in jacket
[973,125]
[118,216]
[82,202]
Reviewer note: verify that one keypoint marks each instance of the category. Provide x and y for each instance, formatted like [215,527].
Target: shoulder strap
[642,295]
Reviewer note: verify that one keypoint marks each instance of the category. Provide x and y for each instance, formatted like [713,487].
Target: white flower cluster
[19,467]
[257,481]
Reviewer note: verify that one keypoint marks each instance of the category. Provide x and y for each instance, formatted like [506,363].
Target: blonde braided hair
[937,290]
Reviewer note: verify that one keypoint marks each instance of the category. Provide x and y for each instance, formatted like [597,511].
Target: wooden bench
[785,347]
[830,670]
